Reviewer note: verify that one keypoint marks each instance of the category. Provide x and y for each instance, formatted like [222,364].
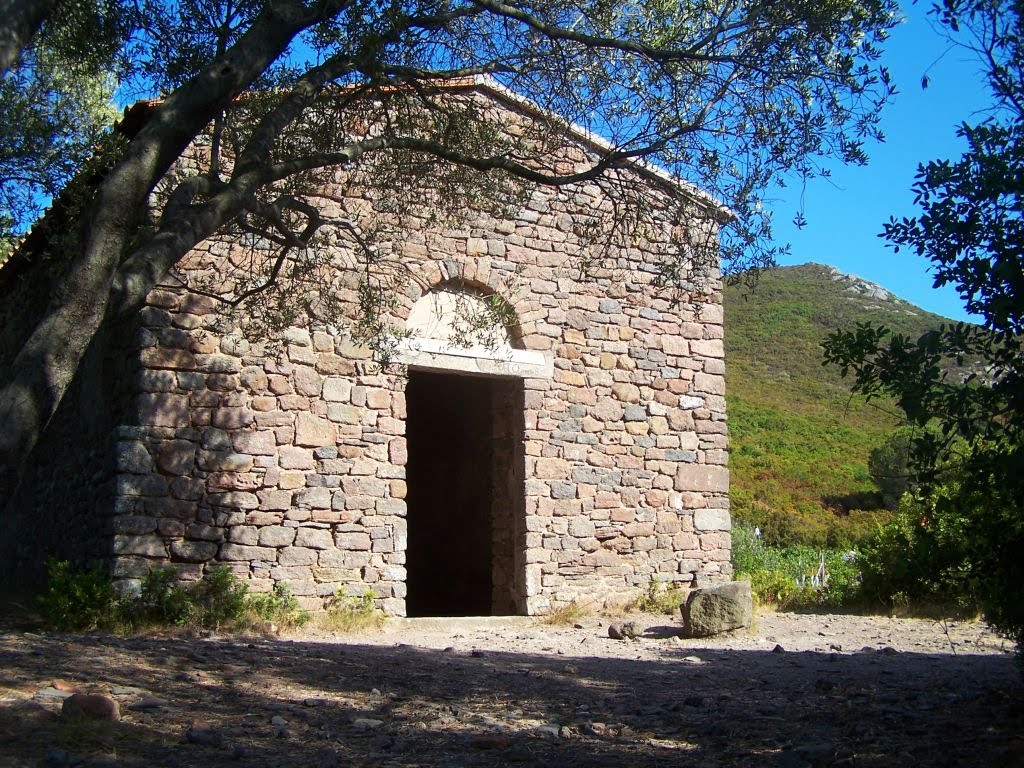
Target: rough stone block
[147,546]
[133,525]
[221,461]
[313,498]
[352,540]
[242,552]
[203,532]
[275,500]
[162,409]
[174,359]
[551,469]
[307,381]
[719,608]
[132,456]
[711,384]
[702,478]
[297,556]
[234,499]
[175,457]
[337,389]
[276,536]
[140,485]
[193,551]
[261,443]
[712,520]
[312,431]
[232,418]
[314,538]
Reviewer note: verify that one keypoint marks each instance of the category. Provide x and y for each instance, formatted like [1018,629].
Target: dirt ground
[799,690]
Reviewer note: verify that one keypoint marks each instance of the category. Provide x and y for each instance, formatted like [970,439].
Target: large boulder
[719,608]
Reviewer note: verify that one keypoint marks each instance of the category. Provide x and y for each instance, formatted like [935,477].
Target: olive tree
[727,96]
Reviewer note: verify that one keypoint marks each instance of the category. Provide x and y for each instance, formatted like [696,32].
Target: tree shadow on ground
[351,703]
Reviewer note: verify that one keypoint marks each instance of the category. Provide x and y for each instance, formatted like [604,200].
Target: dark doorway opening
[464,494]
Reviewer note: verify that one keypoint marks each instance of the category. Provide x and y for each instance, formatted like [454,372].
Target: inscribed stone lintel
[502,361]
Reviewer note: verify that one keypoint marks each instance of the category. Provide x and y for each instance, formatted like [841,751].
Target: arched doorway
[465,470]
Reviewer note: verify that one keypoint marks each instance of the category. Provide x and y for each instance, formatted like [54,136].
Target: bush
[218,599]
[75,601]
[278,608]
[953,547]
[162,599]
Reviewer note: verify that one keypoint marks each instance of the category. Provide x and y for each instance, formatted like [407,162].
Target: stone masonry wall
[284,459]
[64,507]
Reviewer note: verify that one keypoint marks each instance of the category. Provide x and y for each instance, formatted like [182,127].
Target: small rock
[552,731]
[888,651]
[624,630]
[778,649]
[477,653]
[367,723]
[202,734]
[278,722]
[490,741]
[90,706]
[64,685]
[149,702]
[57,758]
[125,690]
[693,659]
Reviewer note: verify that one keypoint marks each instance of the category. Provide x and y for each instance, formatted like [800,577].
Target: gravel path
[800,690]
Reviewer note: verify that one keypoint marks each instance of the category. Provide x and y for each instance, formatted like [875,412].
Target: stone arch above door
[465,327]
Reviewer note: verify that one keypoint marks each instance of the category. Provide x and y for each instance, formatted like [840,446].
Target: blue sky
[846,213]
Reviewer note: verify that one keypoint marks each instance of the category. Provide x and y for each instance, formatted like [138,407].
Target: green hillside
[799,441]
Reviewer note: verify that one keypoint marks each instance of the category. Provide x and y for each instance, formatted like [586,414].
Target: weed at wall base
[661,597]
[84,600]
[564,615]
[352,613]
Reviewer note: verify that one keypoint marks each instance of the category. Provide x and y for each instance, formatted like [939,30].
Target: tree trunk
[39,375]
[19,22]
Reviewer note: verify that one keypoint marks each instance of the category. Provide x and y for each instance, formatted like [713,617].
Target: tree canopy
[728,96]
[971,230]
[56,98]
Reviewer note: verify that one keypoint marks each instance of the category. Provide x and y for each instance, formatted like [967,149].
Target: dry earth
[838,690]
